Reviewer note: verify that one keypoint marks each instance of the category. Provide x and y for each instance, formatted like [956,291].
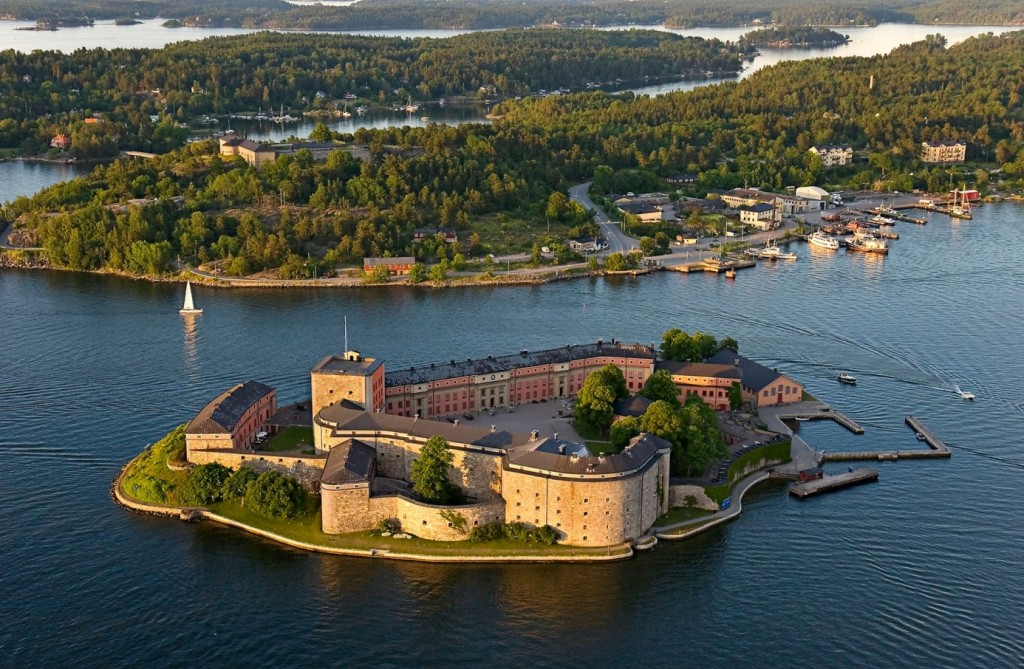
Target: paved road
[618,241]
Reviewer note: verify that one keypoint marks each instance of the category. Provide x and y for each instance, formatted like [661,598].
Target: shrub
[487,532]
[546,535]
[204,485]
[518,531]
[389,526]
[272,494]
[236,484]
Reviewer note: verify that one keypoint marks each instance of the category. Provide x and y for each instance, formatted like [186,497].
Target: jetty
[806,411]
[715,265]
[834,482]
[936,448]
[896,215]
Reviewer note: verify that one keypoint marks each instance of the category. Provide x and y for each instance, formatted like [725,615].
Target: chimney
[494,428]
[556,435]
[534,435]
[456,421]
[561,449]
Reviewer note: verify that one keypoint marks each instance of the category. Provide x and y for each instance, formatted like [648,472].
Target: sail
[188,306]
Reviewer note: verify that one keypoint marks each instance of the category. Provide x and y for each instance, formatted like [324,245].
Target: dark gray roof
[491,365]
[635,406]
[349,462]
[638,208]
[754,375]
[314,146]
[257,147]
[832,147]
[760,206]
[351,420]
[946,142]
[639,454]
[373,262]
[222,414]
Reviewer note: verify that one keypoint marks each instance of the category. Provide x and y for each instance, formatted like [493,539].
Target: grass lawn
[678,514]
[515,233]
[292,438]
[307,529]
[807,397]
[685,531]
[597,443]
[148,479]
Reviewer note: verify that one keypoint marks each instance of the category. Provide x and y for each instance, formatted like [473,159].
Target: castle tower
[348,377]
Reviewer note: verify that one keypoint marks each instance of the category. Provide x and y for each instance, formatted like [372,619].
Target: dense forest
[799,37]
[143,93]
[756,131]
[410,14]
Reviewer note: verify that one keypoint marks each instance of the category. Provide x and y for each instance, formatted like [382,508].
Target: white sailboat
[189,308]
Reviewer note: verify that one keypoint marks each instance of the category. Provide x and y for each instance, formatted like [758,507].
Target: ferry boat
[820,239]
[848,379]
[868,244]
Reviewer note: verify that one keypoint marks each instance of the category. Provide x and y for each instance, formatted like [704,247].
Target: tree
[623,430]
[439,272]
[735,396]
[594,401]
[203,485]
[663,420]
[321,133]
[615,262]
[647,246]
[459,262]
[418,273]
[236,485]
[430,473]
[702,440]
[272,494]
[659,386]
[729,344]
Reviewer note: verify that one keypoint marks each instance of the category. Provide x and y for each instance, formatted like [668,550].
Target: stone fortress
[369,426]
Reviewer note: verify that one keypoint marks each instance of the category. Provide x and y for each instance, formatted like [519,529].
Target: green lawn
[678,514]
[307,529]
[148,479]
[293,438]
[511,233]
[597,443]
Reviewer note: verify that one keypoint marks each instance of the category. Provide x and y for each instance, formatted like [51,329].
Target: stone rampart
[306,468]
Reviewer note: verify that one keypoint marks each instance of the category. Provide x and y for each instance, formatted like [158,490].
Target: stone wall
[478,475]
[306,469]
[677,495]
[589,512]
[354,510]
[328,389]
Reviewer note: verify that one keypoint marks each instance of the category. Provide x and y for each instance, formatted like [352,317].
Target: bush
[546,535]
[204,485]
[236,484]
[272,494]
[487,532]
[389,526]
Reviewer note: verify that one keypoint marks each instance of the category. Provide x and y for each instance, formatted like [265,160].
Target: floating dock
[936,448]
[715,265]
[835,482]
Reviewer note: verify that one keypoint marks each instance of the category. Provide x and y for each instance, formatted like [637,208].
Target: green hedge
[777,451]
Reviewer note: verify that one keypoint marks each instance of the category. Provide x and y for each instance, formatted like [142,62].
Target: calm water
[919,570]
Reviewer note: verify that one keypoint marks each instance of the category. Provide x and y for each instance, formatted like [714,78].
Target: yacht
[189,308]
[848,379]
[820,239]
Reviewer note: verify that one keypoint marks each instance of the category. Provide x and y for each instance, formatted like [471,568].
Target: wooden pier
[715,265]
[835,482]
[829,414]
[898,216]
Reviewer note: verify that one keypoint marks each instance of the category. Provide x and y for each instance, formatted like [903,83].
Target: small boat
[848,379]
[967,395]
[771,251]
[878,219]
[362,109]
[802,418]
[424,118]
[410,107]
[188,308]
[730,274]
[821,240]
[921,437]
[345,113]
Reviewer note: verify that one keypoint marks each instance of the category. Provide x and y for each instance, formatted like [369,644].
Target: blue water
[921,569]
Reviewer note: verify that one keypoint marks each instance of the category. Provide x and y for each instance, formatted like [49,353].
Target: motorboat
[822,240]
[848,379]
[966,394]
[771,251]
[921,437]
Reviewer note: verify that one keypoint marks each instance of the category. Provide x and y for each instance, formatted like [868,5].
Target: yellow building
[944,151]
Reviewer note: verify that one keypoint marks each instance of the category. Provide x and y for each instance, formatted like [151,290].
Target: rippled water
[920,570]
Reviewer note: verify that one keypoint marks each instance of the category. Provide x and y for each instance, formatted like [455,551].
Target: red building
[397,266]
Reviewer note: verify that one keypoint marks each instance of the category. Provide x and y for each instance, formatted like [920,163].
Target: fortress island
[506,427]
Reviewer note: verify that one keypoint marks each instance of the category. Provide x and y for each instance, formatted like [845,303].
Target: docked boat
[771,251]
[188,308]
[878,219]
[888,234]
[362,109]
[410,107]
[921,437]
[848,379]
[822,240]
[868,244]
[730,274]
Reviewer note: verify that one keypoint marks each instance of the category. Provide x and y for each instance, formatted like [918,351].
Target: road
[618,241]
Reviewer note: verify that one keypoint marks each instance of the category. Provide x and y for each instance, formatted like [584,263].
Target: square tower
[348,377]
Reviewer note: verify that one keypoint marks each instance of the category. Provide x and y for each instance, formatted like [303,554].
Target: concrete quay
[774,415]
[829,483]
[936,448]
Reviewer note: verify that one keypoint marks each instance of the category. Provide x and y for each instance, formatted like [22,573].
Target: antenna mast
[346,333]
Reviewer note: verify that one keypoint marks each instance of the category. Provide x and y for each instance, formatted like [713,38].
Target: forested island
[482,14]
[501,184]
[802,37]
[142,95]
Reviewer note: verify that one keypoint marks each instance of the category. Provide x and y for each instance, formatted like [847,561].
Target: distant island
[796,38]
